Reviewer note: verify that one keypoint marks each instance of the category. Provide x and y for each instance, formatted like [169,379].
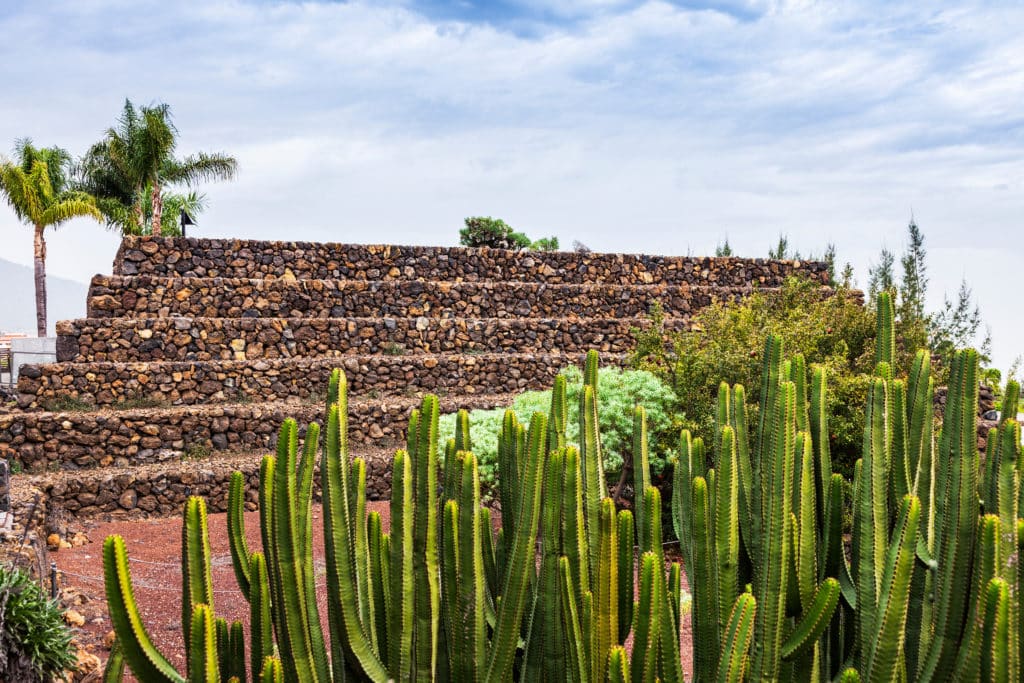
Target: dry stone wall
[189,257]
[162,489]
[112,296]
[157,339]
[199,382]
[42,441]
[222,340]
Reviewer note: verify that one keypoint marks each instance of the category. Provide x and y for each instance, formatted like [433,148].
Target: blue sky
[630,126]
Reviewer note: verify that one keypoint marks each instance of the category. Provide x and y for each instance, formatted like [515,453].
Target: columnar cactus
[912,600]
[930,590]
[430,599]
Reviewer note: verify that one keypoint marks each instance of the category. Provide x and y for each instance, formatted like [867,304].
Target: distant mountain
[65,299]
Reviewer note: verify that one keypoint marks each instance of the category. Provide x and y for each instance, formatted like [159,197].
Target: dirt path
[154,549]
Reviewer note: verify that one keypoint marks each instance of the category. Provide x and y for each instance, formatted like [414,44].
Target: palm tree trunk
[39,263]
[158,209]
[140,219]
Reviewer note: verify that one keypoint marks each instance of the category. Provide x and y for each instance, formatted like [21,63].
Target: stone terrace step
[143,296]
[77,440]
[160,489]
[154,490]
[189,383]
[125,340]
[169,256]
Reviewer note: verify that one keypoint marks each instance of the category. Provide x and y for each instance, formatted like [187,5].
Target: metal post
[6,520]
[5,486]
[53,580]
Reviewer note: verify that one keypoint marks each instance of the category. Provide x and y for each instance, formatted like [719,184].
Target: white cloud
[630,126]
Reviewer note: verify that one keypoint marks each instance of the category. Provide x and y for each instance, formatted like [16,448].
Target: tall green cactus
[910,608]
[641,466]
[929,588]
[956,502]
[885,329]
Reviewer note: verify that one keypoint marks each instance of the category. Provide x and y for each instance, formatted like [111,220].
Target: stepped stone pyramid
[195,350]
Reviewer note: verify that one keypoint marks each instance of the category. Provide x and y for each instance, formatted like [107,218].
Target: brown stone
[74,618]
[128,499]
[87,664]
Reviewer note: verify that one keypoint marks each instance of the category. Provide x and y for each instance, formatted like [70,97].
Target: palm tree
[36,187]
[128,169]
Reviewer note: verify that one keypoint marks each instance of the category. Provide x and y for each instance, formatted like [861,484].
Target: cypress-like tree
[880,276]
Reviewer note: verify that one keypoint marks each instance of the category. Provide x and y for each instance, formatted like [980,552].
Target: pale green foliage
[618,392]
[35,185]
[957,324]
[35,644]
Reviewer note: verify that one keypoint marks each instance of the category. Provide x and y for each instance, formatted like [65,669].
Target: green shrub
[618,392]
[35,644]
[725,344]
[67,404]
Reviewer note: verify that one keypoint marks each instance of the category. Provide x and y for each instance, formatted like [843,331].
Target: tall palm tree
[36,187]
[128,169]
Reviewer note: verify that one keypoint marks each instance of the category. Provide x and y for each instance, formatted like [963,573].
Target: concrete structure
[31,351]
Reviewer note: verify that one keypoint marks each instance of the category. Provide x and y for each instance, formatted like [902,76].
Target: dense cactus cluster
[929,588]
[925,588]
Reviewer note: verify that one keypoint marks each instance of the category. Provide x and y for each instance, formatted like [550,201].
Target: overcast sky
[656,127]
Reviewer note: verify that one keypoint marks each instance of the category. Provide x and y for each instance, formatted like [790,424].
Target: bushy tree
[485,231]
[781,250]
[725,344]
[545,244]
[956,325]
[913,320]
[724,249]
[914,283]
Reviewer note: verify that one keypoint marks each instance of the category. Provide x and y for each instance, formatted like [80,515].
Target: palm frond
[23,197]
[39,179]
[156,140]
[67,209]
[57,160]
[200,167]
[118,216]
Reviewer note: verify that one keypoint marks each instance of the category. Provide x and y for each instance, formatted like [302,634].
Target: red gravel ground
[154,549]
